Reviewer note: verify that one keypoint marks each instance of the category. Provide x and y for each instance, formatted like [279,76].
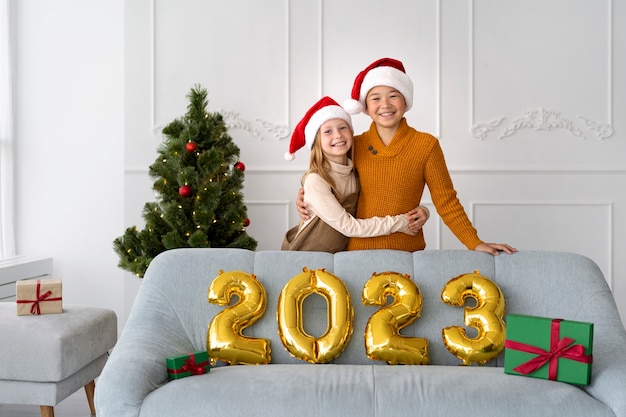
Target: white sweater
[321,203]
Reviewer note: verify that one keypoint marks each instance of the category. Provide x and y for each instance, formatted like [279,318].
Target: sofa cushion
[367,391]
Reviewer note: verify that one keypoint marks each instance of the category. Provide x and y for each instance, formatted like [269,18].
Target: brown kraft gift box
[38,296]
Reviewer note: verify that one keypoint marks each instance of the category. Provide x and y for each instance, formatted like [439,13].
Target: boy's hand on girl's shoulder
[301,206]
[495,248]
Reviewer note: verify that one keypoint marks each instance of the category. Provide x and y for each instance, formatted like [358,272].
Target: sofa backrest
[549,284]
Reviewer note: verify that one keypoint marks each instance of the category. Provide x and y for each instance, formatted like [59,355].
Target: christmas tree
[197,181]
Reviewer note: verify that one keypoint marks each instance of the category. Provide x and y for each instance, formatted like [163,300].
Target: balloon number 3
[383,340]
[487,317]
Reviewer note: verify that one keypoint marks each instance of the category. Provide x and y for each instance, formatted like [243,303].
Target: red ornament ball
[246,223]
[240,166]
[191,147]
[185,191]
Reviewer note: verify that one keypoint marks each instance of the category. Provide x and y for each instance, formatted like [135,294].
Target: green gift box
[196,363]
[554,349]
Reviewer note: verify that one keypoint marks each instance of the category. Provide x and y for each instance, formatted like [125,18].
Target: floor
[73,406]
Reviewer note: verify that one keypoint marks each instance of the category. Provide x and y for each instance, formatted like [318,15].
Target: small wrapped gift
[196,363]
[38,296]
[555,349]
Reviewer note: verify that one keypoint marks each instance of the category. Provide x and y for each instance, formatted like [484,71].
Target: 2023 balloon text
[383,341]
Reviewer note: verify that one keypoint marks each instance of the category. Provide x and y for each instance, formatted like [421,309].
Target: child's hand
[301,206]
[495,248]
[418,217]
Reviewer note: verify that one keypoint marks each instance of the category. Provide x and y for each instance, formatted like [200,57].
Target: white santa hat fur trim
[386,72]
[306,130]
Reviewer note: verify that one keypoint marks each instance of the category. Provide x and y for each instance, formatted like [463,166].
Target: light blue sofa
[171,314]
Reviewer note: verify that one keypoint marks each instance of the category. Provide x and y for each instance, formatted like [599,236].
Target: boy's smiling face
[385,105]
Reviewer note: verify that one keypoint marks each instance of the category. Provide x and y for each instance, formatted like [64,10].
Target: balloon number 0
[383,341]
[340,316]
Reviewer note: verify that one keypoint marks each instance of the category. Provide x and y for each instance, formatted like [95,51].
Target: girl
[332,187]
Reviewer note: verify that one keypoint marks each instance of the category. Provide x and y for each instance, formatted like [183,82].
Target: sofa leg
[47,411]
[89,389]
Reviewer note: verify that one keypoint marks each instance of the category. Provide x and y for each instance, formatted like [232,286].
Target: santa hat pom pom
[289,156]
[353,106]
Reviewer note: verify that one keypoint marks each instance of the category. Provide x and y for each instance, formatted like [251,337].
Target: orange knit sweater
[392,182]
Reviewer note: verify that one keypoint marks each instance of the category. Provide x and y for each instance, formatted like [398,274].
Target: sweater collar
[402,133]
[341,170]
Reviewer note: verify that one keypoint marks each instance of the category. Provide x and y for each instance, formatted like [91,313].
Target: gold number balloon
[486,317]
[340,316]
[382,338]
[225,340]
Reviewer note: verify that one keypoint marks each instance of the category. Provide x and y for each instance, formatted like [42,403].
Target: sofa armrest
[136,366]
[609,353]
[607,384]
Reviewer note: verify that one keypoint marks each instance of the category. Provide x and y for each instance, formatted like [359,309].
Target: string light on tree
[198,182]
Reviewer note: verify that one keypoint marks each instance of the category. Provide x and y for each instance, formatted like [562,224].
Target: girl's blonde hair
[320,165]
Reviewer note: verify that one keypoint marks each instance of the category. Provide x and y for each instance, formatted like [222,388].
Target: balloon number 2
[225,340]
[383,340]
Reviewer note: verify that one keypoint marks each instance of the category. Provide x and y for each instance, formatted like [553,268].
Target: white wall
[97,78]
[70,142]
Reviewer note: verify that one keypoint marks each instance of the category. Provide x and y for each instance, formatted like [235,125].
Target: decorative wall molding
[602,130]
[481,130]
[234,120]
[541,119]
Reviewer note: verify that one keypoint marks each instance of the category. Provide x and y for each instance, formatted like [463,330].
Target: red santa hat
[304,134]
[386,71]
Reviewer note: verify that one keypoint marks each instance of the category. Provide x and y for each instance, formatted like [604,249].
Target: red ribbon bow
[558,349]
[35,308]
[191,366]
